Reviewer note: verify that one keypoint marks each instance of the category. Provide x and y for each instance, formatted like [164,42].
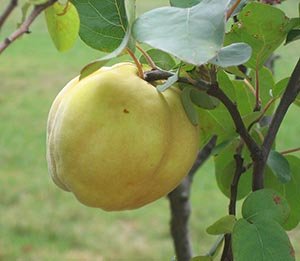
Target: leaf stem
[290,151]
[268,105]
[147,57]
[231,10]
[136,61]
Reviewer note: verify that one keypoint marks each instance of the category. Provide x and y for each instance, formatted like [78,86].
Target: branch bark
[181,208]
[24,28]
[288,97]
[11,6]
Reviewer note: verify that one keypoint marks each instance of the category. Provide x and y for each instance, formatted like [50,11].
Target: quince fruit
[117,143]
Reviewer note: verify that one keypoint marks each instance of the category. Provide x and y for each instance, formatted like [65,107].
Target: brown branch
[241,129]
[239,170]
[155,75]
[289,151]
[181,208]
[24,28]
[11,6]
[288,97]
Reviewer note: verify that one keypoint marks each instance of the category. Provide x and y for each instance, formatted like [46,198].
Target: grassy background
[40,222]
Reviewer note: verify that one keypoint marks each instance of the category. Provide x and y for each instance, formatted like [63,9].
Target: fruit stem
[138,64]
[147,57]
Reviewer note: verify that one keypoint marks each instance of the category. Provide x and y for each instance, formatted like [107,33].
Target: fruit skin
[117,143]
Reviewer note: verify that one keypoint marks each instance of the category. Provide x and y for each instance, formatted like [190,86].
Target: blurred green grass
[40,222]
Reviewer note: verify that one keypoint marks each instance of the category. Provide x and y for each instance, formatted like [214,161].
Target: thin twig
[11,6]
[288,97]
[268,105]
[155,75]
[24,28]
[231,10]
[257,106]
[239,170]
[218,93]
[147,57]
[289,151]
[137,63]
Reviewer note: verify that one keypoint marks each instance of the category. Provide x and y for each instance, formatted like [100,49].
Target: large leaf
[264,240]
[63,25]
[263,27]
[194,35]
[266,204]
[280,166]
[103,24]
[185,3]
[95,65]
[234,54]
[290,190]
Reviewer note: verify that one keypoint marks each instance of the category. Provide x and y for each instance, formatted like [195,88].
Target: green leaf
[203,100]
[266,85]
[290,190]
[222,226]
[280,87]
[264,240]
[264,33]
[97,64]
[189,106]
[292,36]
[225,167]
[279,166]
[236,71]
[220,147]
[168,83]
[185,3]
[234,54]
[266,204]
[200,28]
[160,58]
[63,25]
[103,24]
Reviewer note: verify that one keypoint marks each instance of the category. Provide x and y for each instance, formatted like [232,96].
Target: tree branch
[241,129]
[239,170]
[288,97]
[181,208]
[24,28]
[11,6]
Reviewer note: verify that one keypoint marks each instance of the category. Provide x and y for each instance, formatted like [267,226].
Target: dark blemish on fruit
[277,200]
[126,111]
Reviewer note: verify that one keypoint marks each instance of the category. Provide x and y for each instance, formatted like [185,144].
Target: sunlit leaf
[263,27]
[63,25]
[234,54]
[200,28]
